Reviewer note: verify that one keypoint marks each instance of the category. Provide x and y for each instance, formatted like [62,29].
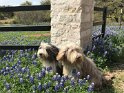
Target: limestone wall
[71,21]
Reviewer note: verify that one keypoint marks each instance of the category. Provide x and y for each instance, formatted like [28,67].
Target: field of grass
[24,38]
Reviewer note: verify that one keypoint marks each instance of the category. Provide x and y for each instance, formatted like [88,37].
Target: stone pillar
[71,21]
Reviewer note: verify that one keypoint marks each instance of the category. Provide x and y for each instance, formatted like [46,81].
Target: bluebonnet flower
[19,75]
[7,86]
[34,63]
[78,74]
[66,89]
[49,84]
[66,78]
[21,80]
[31,79]
[81,82]
[34,56]
[48,68]
[45,86]
[39,76]
[2,70]
[94,47]
[27,70]
[88,77]
[5,73]
[105,53]
[57,87]
[23,70]
[43,72]
[58,77]
[54,77]
[72,82]
[91,87]
[39,87]
[88,52]
[61,84]
[4,58]
[19,62]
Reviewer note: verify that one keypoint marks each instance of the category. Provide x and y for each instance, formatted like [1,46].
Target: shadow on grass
[106,89]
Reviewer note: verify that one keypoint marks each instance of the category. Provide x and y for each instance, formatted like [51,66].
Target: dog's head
[71,54]
[47,51]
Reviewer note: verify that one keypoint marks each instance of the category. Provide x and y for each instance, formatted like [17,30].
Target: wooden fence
[38,28]
[103,22]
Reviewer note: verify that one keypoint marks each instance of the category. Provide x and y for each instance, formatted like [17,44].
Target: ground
[117,70]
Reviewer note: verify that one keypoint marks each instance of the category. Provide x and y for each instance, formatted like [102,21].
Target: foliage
[32,17]
[6,15]
[26,3]
[113,8]
[108,50]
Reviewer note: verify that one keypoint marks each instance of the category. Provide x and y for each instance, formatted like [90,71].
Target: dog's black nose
[40,54]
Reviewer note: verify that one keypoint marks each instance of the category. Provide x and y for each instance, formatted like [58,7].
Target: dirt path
[37,35]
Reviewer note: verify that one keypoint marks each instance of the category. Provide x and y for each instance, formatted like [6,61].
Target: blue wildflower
[21,80]
[88,77]
[57,87]
[91,87]
[7,85]
[66,90]
[39,87]
[31,79]
[78,74]
[72,82]
[34,56]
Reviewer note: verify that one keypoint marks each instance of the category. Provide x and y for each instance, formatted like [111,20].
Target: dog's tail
[107,79]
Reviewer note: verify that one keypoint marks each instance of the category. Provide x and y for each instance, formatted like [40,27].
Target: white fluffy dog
[72,58]
[48,52]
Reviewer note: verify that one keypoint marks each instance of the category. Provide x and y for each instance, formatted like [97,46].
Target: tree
[113,7]
[45,2]
[26,3]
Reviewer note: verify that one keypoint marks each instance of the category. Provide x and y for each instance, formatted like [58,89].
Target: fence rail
[11,47]
[97,23]
[38,28]
[25,28]
[98,9]
[24,8]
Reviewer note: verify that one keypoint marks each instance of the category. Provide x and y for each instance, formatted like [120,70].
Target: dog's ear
[60,55]
[54,49]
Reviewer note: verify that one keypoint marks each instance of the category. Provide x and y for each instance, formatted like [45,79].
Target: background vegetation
[27,17]
[38,17]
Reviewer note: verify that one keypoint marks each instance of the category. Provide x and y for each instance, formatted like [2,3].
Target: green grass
[23,38]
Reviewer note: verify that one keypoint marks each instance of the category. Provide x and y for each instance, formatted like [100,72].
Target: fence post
[104,21]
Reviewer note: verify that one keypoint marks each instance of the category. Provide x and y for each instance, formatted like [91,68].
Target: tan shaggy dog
[72,58]
[48,52]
